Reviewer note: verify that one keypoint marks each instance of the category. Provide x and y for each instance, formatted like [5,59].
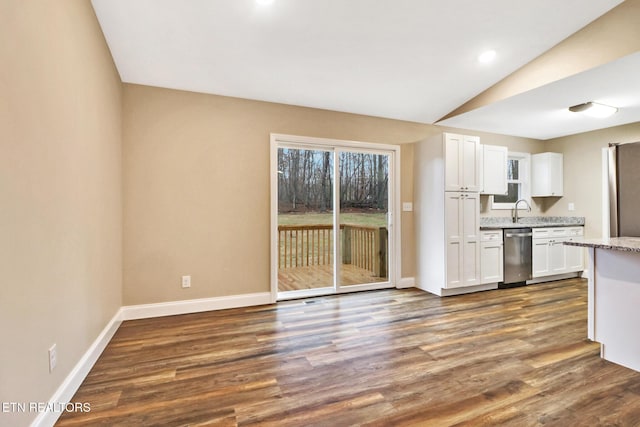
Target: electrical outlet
[53,357]
[186,281]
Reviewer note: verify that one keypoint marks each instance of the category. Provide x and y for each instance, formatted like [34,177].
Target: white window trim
[525,174]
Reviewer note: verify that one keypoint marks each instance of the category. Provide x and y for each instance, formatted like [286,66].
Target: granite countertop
[627,244]
[492,222]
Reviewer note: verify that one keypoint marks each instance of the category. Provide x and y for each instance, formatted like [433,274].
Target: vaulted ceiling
[412,60]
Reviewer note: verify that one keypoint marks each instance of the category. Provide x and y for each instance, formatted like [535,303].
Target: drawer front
[491,236]
[557,232]
[575,231]
[541,233]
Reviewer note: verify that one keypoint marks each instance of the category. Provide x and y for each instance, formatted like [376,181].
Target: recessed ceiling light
[593,109]
[264,2]
[486,57]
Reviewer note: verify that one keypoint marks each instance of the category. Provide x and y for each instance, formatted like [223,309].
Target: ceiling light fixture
[486,57]
[593,109]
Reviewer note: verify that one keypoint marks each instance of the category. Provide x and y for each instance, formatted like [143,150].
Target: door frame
[337,146]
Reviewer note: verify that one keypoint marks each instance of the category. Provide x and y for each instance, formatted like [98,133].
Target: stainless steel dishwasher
[517,255]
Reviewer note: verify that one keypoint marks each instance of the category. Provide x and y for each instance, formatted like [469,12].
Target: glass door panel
[305,220]
[364,219]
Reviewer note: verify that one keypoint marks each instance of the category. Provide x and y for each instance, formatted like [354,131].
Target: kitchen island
[614,298]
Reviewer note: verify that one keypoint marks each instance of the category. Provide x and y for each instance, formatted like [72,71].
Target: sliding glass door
[332,230]
[364,218]
[306,234]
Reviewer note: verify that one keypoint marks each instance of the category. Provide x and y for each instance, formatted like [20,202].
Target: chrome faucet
[515,210]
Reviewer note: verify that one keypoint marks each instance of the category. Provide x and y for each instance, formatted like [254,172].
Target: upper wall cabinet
[494,169]
[461,162]
[546,175]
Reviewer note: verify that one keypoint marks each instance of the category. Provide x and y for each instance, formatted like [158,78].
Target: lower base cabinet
[551,256]
[491,257]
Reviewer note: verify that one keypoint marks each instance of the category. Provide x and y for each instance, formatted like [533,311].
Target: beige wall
[583,172]
[196,180]
[60,193]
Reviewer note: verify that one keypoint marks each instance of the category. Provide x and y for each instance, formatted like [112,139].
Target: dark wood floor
[516,357]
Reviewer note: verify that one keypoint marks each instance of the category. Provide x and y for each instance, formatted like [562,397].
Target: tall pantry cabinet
[447,213]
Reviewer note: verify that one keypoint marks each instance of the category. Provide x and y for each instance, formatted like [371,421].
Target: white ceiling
[404,59]
[543,113]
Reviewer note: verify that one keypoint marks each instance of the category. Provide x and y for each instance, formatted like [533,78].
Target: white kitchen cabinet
[491,256]
[547,175]
[462,217]
[551,257]
[540,258]
[493,176]
[447,223]
[575,254]
[462,162]
[557,257]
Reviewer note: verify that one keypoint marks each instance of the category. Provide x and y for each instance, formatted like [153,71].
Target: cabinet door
[494,169]
[556,173]
[574,256]
[470,163]
[540,258]
[471,238]
[452,156]
[557,257]
[546,175]
[454,241]
[491,262]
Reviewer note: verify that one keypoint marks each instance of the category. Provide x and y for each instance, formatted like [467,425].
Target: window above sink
[518,182]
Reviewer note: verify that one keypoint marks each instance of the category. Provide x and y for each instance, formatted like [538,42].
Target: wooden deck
[508,357]
[321,276]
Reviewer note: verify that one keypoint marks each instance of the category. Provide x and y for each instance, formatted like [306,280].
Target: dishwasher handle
[518,234]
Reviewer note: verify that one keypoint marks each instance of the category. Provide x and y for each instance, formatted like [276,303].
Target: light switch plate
[186,281]
[572,207]
[407,207]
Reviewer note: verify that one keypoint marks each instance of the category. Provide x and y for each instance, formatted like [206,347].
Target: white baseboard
[406,282]
[444,292]
[468,289]
[144,311]
[72,382]
[553,278]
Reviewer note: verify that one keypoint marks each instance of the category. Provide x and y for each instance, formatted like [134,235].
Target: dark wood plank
[395,357]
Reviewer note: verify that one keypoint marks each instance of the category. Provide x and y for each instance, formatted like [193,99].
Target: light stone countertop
[492,222]
[626,244]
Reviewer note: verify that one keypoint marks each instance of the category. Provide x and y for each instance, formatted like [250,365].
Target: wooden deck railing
[307,245]
[365,247]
